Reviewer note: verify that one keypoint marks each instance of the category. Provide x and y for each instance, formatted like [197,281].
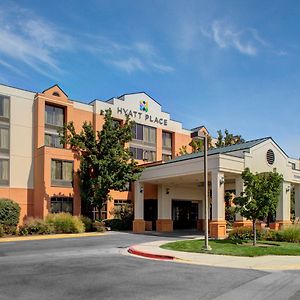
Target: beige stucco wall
[21,136]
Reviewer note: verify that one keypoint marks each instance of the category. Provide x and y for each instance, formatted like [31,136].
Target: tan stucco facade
[165,191]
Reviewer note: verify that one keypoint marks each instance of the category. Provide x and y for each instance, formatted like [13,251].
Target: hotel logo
[144,106]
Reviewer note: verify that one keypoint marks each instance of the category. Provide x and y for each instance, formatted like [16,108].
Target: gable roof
[222,150]
[136,94]
[55,85]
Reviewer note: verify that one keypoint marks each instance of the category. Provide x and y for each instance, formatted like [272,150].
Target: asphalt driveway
[97,268]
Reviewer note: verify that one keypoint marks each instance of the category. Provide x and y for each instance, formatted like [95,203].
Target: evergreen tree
[105,163]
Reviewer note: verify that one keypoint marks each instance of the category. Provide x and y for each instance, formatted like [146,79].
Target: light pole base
[206,248]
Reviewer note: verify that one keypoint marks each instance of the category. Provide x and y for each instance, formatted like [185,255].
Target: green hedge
[9,215]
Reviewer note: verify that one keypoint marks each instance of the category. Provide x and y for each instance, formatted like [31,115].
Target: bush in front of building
[1,230]
[99,226]
[88,223]
[123,217]
[36,226]
[288,234]
[65,223]
[9,215]
[240,234]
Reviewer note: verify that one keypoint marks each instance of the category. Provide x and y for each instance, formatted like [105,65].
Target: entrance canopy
[181,179]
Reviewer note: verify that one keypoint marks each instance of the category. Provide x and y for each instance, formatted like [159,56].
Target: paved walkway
[267,263]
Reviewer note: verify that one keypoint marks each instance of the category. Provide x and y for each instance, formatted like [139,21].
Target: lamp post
[206,246]
[204,138]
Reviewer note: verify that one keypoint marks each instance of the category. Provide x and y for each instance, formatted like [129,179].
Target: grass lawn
[227,247]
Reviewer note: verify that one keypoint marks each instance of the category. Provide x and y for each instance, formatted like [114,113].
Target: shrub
[99,226]
[114,224]
[289,234]
[123,218]
[244,234]
[65,223]
[88,223]
[9,215]
[1,230]
[36,226]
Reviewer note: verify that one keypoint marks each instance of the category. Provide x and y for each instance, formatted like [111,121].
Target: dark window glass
[61,173]
[54,116]
[4,106]
[61,204]
[52,140]
[167,139]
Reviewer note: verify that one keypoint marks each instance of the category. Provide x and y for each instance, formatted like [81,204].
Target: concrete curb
[48,237]
[133,251]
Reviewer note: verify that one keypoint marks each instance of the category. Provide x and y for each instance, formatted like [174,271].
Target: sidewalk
[267,263]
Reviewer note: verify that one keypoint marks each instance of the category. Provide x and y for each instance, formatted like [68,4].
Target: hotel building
[39,173]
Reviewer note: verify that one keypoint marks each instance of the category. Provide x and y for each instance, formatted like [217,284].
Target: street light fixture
[203,136]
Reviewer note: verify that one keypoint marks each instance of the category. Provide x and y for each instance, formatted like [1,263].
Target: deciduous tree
[260,197]
[105,162]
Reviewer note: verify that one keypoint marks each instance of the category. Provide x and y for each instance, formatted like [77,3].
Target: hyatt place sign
[142,114]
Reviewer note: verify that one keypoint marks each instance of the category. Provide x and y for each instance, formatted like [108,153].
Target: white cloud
[245,41]
[129,57]
[129,65]
[27,39]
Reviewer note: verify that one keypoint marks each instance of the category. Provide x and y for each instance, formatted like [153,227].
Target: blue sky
[222,64]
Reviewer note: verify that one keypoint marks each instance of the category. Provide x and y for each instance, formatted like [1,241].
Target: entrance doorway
[150,212]
[184,214]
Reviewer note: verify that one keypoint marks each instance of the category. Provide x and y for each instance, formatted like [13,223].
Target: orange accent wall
[158,144]
[24,197]
[150,191]
[180,140]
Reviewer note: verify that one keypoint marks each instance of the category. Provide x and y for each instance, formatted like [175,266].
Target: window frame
[53,107]
[5,150]
[62,182]
[5,182]
[61,201]
[5,118]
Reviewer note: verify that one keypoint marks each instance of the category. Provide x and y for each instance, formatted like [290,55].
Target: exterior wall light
[141,190]
[167,191]
[288,188]
[222,180]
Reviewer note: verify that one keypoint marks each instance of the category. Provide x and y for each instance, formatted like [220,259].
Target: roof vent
[270,157]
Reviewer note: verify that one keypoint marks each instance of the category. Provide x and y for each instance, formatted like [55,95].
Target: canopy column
[139,222]
[164,222]
[218,223]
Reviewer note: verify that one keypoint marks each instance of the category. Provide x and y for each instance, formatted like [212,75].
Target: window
[4,139]
[167,140]
[143,154]
[52,140]
[61,173]
[4,107]
[4,171]
[120,203]
[144,133]
[54,116]
[61,204]
[166,157]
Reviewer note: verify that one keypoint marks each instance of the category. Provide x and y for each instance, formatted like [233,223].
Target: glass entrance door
[184,214]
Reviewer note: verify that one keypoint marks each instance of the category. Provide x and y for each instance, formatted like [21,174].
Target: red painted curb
[150,255]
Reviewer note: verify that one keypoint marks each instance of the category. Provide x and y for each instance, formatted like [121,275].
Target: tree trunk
[254,233]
